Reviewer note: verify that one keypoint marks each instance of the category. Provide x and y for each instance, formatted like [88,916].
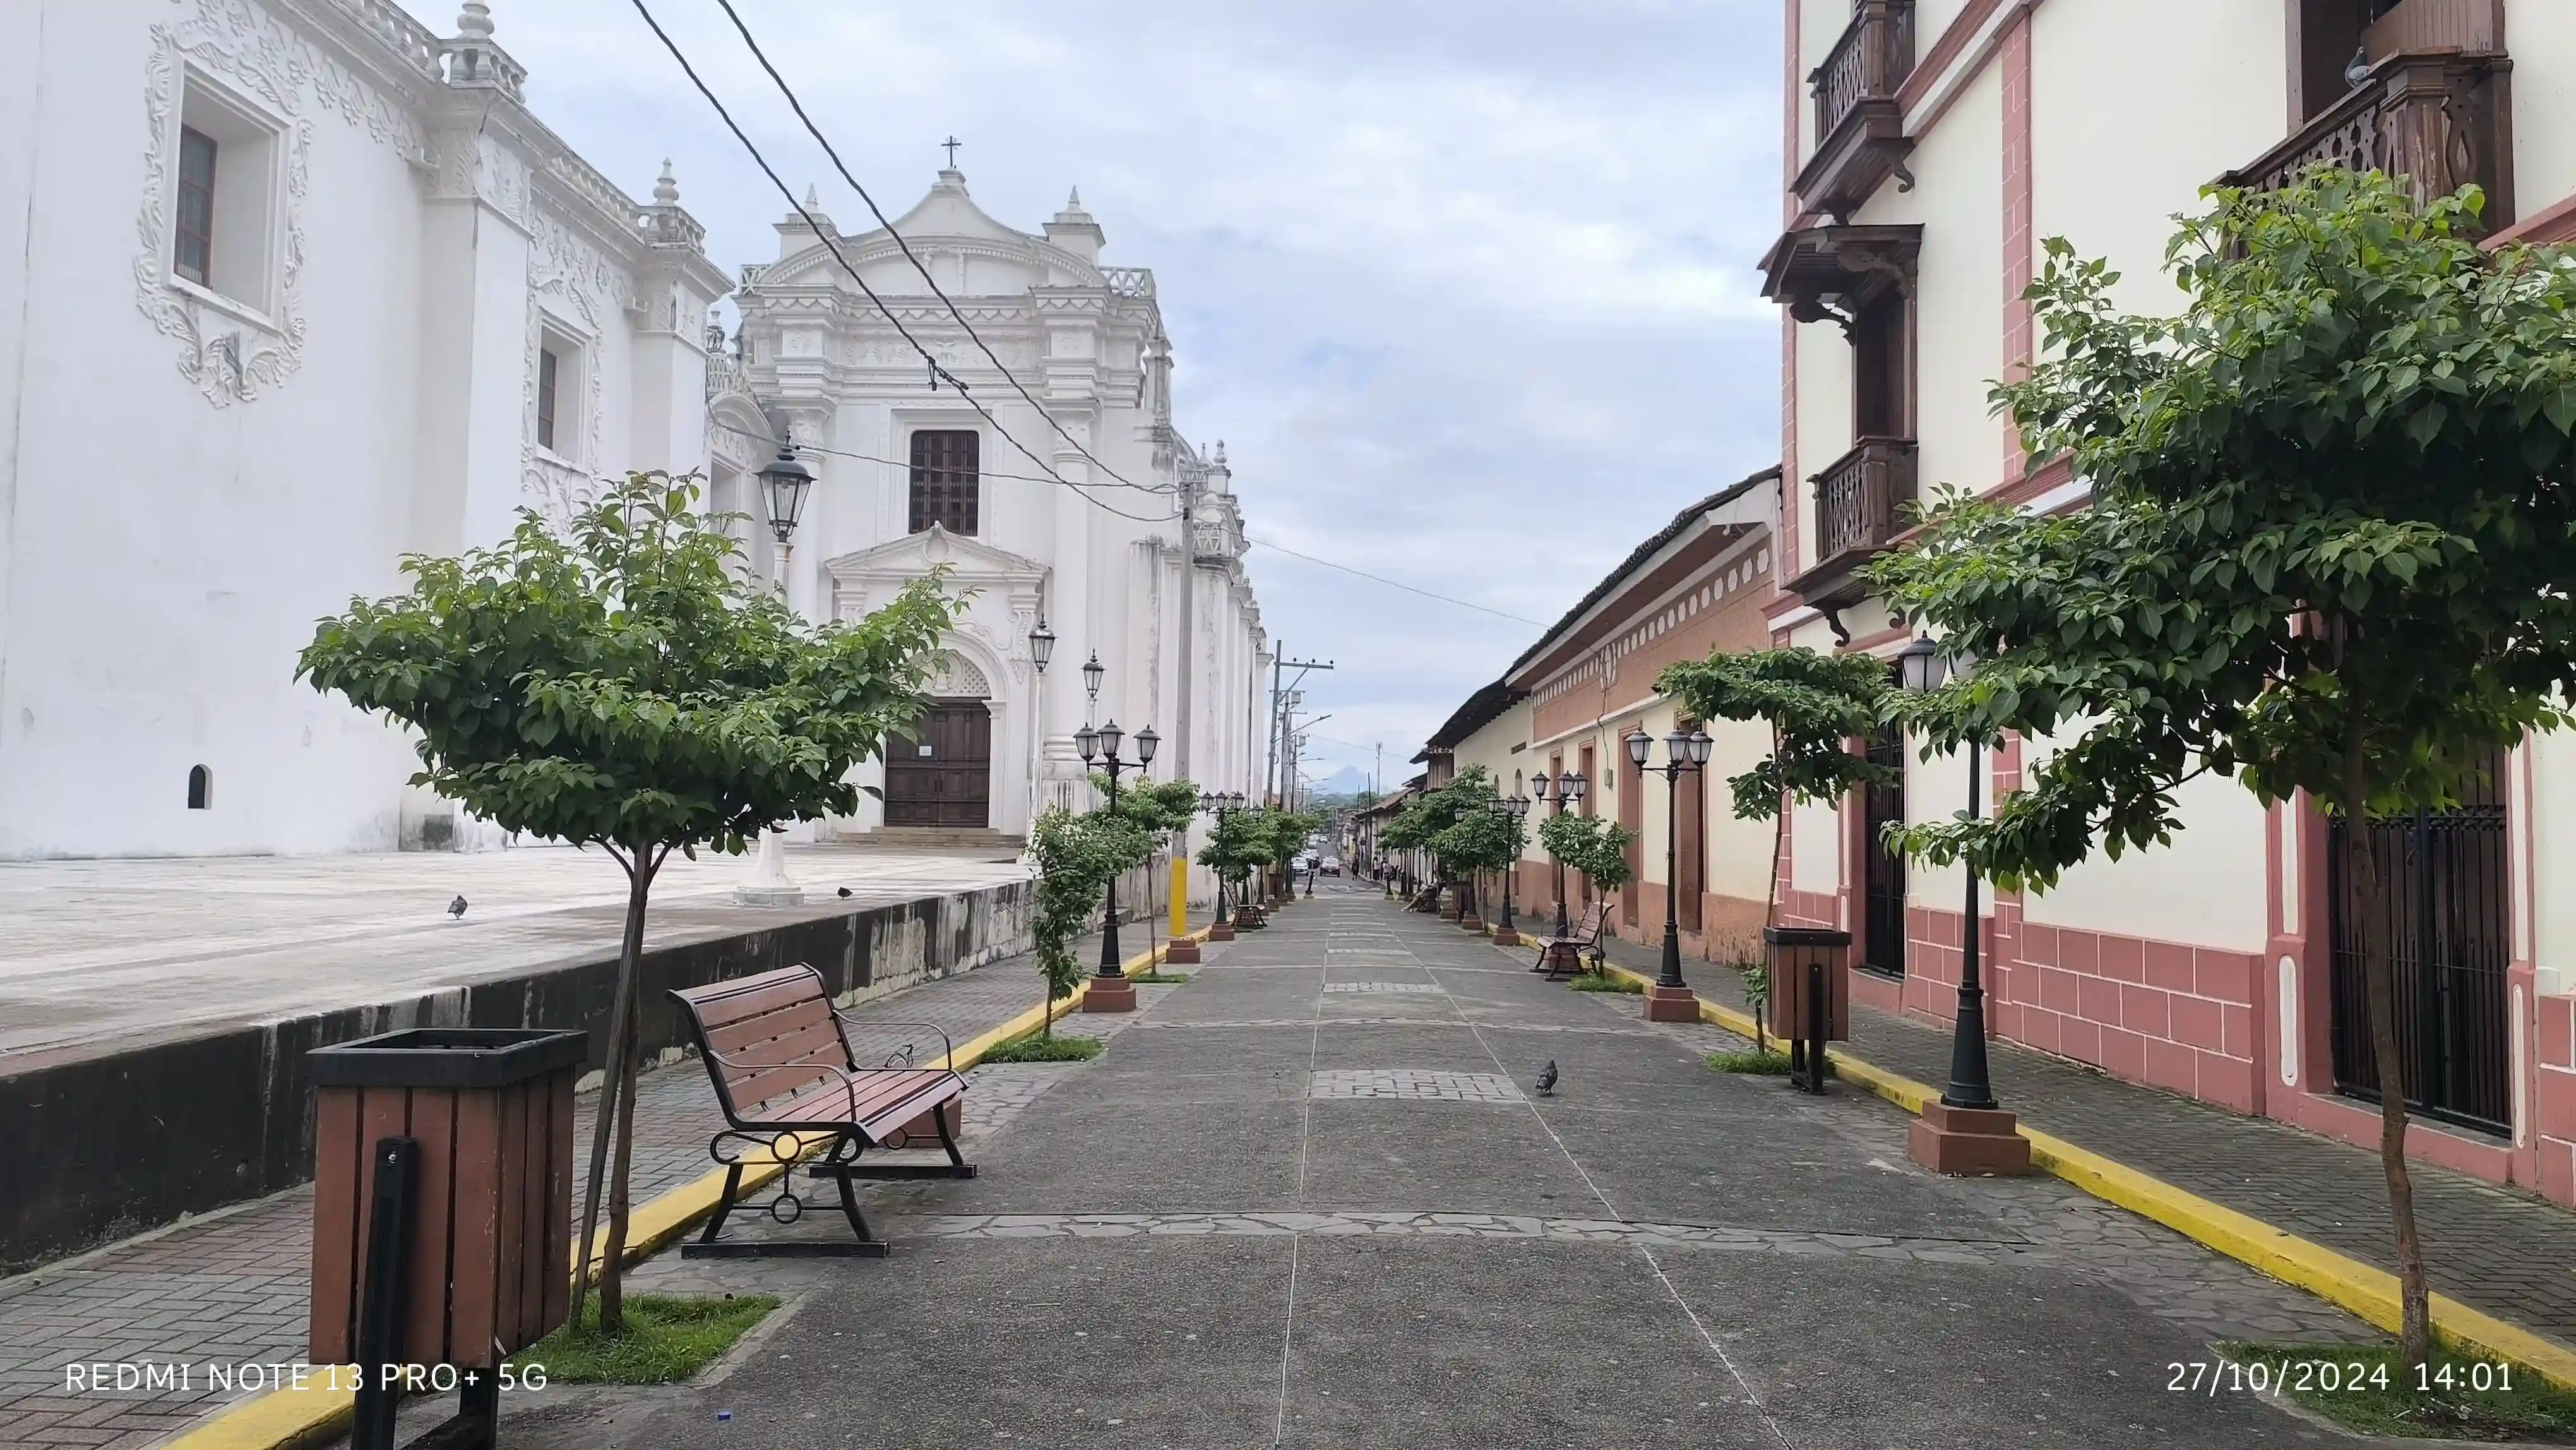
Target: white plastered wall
[2118,149]
[2208,888]
[2541,34]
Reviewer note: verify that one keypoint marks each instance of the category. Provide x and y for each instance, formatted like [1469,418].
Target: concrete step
[933,838]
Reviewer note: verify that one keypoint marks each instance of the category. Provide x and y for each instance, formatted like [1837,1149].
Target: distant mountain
[1349,780]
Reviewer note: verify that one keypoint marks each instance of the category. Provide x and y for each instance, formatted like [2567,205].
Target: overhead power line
[979,473]
[1395,583]
[937,372]
[798,106]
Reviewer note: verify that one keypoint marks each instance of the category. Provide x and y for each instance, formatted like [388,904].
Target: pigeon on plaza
[1547,1079]
[456,908]
[845,891]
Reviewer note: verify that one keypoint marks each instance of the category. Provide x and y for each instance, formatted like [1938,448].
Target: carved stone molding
[225,354]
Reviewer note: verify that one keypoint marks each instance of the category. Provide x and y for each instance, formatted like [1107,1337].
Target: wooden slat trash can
[1810,995]
[472,1127]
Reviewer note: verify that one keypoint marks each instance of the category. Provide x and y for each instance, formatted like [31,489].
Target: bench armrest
[947,1049]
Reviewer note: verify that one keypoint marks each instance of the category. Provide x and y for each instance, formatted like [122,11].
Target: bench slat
[819,1043]
[882,1106]
[721,1004]
[742,1032]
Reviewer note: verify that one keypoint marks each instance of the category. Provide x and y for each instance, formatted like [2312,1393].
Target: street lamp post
[1670,999]
[1967,1131]
[1110,990]
[1517,807]
[784,483]
[1041,649]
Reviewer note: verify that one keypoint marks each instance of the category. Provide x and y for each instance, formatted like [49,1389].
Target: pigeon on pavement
[456,908]
[1547,1079]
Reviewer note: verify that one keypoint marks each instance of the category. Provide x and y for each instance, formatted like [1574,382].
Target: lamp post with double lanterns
[784,482]
[1516,806]
[1967,1131]
[1110,990]
[1567,788]
[1670,999]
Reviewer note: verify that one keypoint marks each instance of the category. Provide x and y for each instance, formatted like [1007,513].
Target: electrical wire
[798,106]
[936,371]
[1392,583]
[979,473]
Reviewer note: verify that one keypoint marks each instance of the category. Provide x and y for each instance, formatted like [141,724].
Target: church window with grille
[946,481]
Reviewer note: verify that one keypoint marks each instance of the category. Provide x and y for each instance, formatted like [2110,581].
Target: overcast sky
[1466,286]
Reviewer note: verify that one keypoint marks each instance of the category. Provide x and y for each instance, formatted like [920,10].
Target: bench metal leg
[724,1206]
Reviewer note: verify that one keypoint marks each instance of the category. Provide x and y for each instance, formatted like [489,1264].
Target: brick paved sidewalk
[233,1288]
[2491,1248]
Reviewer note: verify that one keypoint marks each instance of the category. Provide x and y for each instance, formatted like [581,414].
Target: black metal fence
[2444,912]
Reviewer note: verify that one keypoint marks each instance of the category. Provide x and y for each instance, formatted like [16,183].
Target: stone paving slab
[1381,1305]
[2496,1249]
[233,1288]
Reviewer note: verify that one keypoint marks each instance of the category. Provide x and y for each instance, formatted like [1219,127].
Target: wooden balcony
[1859,502]
[2439,118]
[1860,130]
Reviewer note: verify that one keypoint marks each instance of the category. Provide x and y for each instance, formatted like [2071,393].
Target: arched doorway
[940,774]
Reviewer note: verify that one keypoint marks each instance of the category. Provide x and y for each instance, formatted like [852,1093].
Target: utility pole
[1279,714]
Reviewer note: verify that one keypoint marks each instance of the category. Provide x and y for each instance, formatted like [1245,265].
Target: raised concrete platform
[155,1015]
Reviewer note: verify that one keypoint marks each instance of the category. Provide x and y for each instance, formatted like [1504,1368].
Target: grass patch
[1158,977]
[1604,982]
[667,1339]
[1033,1048]
[2482,1399]
[1763,1064]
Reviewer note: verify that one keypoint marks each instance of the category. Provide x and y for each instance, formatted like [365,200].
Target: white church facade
[291,288]
[1058,500]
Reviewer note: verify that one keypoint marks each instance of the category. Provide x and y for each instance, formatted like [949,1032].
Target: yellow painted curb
[298,1419]
[2369,1292]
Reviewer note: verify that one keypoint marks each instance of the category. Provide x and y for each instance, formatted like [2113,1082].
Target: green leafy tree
[1816,704]
[1076,857]
[2333,525]
[1289,830]
[1421,824]
[1480,840]
[619,684]
[1240,843]
[1158,807]
[1593,845]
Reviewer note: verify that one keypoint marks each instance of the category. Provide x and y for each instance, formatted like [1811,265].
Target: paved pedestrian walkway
[233,1288]
[1314,1197]
[2492,1248]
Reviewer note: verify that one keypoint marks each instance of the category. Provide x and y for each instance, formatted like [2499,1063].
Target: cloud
[1467,288]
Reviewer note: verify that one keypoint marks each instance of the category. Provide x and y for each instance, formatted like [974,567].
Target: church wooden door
[942,775]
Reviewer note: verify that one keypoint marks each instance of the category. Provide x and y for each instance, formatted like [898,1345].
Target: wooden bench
[1563,955]
[1251,916]
[779,1054]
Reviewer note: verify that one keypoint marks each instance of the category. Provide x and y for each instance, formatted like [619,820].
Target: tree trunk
[2380,971]
[615,1080]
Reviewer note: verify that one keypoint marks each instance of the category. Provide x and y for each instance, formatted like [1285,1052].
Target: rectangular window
[549,368]
[946,481]
[193,254]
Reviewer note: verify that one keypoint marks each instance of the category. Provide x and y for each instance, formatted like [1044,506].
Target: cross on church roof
[952,143]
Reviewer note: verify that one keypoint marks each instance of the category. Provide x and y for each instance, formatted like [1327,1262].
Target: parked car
[1332,865]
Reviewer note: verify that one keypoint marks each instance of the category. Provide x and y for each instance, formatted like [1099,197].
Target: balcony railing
[2432,118]
[1860,127]
[1860,498]
[1872,59]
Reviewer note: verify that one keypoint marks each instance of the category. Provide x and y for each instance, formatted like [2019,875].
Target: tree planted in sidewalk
[2332,528]
[1076,857]
[1240,843]
[1816,704]
[1593,845]
[1422,823]
[1481,840]
[620,684]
